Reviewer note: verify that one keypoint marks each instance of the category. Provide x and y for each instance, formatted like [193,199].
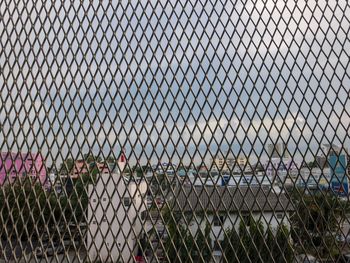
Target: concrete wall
[114,228]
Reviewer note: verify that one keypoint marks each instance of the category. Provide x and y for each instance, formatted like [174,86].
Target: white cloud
[279,127]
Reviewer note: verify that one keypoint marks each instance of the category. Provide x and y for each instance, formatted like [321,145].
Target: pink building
[20,165]
[80,167]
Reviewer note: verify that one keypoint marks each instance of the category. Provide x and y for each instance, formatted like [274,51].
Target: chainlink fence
[174,131]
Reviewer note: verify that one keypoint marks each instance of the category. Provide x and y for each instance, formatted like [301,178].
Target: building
[245,180]
[21,165]
[103,167]
[321,161]
[277,150]
[280,167]
[80,167]
[168,169]
[219,163]
[224,163]
[242,161]
[225,208]
[314,178]
[339,169]
[330,149]
[273,151]
[230,162]
[83,167]
[116,214]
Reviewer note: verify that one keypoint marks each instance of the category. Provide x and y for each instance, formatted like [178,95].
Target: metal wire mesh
[174,131]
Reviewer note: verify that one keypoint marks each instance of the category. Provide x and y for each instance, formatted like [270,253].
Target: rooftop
[233,199]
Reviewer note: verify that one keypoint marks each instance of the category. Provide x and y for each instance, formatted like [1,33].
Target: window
[94,200]
[127,201]
[143,215]
[279,215]
[218,220]
[104,199]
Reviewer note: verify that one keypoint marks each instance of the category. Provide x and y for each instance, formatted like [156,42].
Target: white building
[223,163]
[279,169]
[242,161]
[315,178]
[227,207]
[116,213]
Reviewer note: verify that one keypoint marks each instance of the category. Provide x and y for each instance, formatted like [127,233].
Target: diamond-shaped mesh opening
[174,131]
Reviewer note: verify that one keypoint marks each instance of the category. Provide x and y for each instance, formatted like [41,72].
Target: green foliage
[111,159]
[313,164]
[138,170]
[91,159]
[285,251]
[181,246]
[79,198]
[249,244]
[254,244]
[174,245]
[315,222]
[231,246]
[67,166]
[203,243]
[27,208]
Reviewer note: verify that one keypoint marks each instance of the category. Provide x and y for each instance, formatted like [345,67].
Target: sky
[176,81]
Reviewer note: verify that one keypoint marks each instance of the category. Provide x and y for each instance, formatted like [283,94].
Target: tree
[231,245]
[253,244]
[315,222]
[203,243]
[79,199]
[111,159]
[256,241]
[285,251]
[180,242]
[67,166]
[27,209]
[313,164]
[91,159]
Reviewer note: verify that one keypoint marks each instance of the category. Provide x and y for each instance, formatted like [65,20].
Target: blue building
[339,172]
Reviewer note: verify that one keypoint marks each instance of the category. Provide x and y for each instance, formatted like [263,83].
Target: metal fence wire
[174,131]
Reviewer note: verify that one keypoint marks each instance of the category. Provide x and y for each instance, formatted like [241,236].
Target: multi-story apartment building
[242,161]
[277,150]
[224,163]
[219,163]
